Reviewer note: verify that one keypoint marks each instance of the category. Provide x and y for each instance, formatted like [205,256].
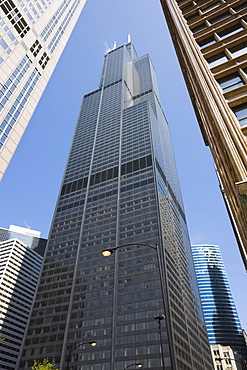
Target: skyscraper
[221,318]
[34,34]
[19,271]
[210,40]
[120,187]
[29,237]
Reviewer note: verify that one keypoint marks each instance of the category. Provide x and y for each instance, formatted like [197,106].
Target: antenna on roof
[129,38]
[115,45]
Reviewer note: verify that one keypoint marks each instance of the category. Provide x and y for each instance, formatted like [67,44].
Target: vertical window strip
[16,109]
[5,47]
[13,81]
[41,7]
[33,10]
[54,42]
[26,11]
[54,20]
[8,32]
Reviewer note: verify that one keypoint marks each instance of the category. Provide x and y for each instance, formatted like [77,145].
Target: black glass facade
[120,186]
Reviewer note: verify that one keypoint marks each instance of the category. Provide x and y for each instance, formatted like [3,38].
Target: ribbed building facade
[209,37]
[220,313]
[120,187]
[33,36]
[19,271]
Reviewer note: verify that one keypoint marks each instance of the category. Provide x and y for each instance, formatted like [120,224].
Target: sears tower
[120,190]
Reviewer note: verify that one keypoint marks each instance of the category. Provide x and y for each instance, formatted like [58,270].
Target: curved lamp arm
[109,251]
[93,344]
[138,365]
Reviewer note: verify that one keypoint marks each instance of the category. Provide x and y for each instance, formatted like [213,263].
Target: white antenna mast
[129,38]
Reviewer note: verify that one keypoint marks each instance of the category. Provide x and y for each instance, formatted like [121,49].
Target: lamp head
[107,252]
[93,344]
[160,317]
[139,365]
[218,360]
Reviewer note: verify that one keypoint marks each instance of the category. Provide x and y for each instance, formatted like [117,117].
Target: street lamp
[108,252]
[93,344]
[137,365]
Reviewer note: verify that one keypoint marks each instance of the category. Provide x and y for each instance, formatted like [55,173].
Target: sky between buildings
[31,184]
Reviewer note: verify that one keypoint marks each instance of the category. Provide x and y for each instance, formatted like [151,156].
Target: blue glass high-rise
[120,186]
[221,318]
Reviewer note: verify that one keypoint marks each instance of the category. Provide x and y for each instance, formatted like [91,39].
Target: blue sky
[30,186]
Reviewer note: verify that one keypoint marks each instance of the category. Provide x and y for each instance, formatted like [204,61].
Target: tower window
[44,60]
[240,7]
[199,28]
[241,114]
[191,16]
[187,6]
[217,59]
[35,48]
[219,18]
[5,46]
[206,42]
[226,32]
[213,6]
[238,50]
[230,82]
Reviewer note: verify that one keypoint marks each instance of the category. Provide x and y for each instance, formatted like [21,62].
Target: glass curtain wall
[120,187]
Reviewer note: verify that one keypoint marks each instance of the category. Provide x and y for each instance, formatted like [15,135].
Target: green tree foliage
[45,365]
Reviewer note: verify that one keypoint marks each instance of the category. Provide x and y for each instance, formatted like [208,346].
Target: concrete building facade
[33,36]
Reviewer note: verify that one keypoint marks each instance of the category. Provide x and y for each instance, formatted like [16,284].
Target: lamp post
[137,365]
[93,344]
[158,319]
[108,252]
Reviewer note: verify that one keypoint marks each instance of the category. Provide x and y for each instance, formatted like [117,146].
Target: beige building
[33,36]
[210,38]
[225,359]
